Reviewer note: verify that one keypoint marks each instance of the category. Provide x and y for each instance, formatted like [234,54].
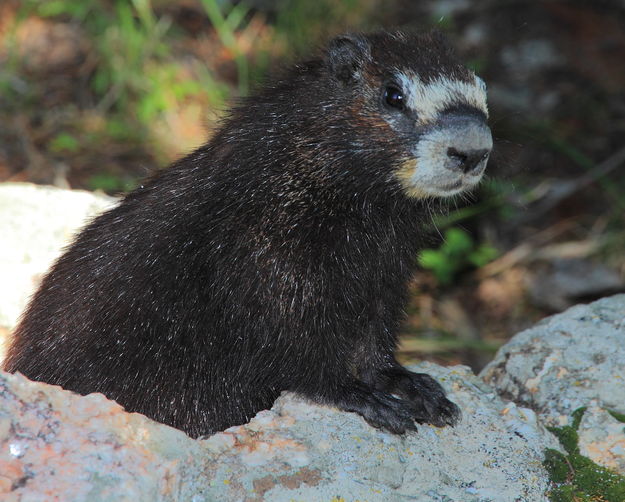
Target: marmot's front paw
[380,409]
[384,411]
[425,395]
[428,399]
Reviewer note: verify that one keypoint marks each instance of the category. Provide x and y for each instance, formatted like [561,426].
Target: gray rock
[565,361]
[571,360]
[36,222]
[602,438]
[493,454]
[58,444]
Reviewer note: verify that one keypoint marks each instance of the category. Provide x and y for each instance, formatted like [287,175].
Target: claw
[427,398]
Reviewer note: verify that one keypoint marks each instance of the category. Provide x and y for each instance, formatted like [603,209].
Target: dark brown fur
[276,257]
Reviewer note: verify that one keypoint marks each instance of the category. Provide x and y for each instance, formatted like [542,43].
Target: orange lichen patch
[64,438]
[5,484]
[47,453]
[11,470]
[561,372]
[248,439]
[602,452]
[170,482]
[220,442]
[310,477]
[271,446]
[258,447]
[305,476]
[263,485]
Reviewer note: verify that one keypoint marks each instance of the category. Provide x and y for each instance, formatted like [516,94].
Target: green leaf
[53,8]
[577,417]
[106,182]
[457,242]
[482,255]
[619,416]
[64,142]
[431,259]
[568,437]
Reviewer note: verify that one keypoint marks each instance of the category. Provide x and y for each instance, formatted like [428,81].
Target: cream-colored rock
[56,445]
[602,438]
[59,446]
[568,361]
[36,223]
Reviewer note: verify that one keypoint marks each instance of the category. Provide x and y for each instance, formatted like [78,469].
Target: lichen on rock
[58,444]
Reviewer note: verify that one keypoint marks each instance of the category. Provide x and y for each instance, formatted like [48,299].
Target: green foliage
[457,253]
[301,22]
[568,437]
[138,85]
[109,183]
[64,142]
[136,81]
[576,417]
[76,9]
[575,477]
[619,416]
[136,73]
[557,465]
[227,18]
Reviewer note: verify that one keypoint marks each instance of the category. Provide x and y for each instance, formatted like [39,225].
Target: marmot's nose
[467,160]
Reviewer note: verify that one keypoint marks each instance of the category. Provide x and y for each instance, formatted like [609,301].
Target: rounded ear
[346,55]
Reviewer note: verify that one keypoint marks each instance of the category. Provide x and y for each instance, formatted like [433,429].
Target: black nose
[468,160]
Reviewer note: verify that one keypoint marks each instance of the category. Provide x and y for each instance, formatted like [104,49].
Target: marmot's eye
[394,97]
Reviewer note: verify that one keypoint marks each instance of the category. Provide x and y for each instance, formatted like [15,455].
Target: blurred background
[96,94]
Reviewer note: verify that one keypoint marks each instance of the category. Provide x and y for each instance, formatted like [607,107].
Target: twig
[568,188]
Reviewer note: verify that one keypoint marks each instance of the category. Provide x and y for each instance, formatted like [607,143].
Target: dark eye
[394,97]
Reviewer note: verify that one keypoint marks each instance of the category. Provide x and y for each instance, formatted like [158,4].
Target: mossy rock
[577,478]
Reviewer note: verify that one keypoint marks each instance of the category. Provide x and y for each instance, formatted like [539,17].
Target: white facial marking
[439,166]
[429,174]
[428,100]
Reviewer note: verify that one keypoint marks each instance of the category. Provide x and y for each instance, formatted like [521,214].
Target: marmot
[276,257]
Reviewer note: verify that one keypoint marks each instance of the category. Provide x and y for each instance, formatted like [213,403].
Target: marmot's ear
[346,55]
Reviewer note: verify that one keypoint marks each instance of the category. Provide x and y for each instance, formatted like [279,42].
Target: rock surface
[60,446]
[566,361]
[571,360]
[602,437]
[36,222]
